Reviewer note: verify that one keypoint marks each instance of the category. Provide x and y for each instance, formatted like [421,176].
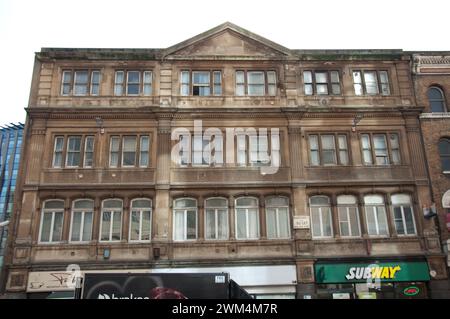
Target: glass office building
[10,144]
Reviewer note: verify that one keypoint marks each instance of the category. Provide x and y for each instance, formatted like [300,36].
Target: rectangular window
[325,152]
[259,150]
[148,80]
[343,149]
[217,83]
[81,226]
[185,84]
[321,222]
[376,220]
[277,220]
[366,148]
[380,149]
[114,151]
[384,83]
[133,82]
[240,83]
[95,82]
[216,223]
[376,146]
[370,79]
[241,150]
[395,148]
[73,151]
[124,151]
[371,82]
[255,83]
[349,221]
[335,83]
[321,82]
[58,152]
[83,82]
[328,149]
[185,224]
[51,226]
[129,151]
[66,85]
[271,83]
[247,223]
[118,83]
[144,151]
[111,226]
[201,83]
[314,149]
[404,220]
[308,83]
[88,151]
[357,83]
[140,225]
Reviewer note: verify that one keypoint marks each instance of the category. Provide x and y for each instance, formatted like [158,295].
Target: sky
[28,25]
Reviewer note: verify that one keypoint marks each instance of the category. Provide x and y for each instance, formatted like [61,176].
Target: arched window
[111,220]
[81,223]
[277,217]
[375,215]
[247,218]
[444,152]
[403,214]
[321,217]
[185,219]
[52,221]
[348,216]
[141,219]
[216,218]
[436,99]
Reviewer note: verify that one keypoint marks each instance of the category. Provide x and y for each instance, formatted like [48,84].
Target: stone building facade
[337,182]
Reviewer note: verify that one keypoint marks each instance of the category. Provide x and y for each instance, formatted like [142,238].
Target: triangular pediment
[227,40]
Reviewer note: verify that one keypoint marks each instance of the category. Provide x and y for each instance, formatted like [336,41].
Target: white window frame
[247,228]
[91,84]
[62,152]
[277,223]
[85,147]
[347,210]
[402,205]
[216,213]
[311,206]
[184,210]
[135,151]
[140,211]
[139,83]
[52,211]
[83,212]
[149,84]
[114,212]
[67,150]
[373,210]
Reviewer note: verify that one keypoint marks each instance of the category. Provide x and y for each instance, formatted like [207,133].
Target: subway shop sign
[383,272]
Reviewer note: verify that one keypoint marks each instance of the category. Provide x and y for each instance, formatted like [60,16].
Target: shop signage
[411,291]
[383,272]
[301,222]
[50,281]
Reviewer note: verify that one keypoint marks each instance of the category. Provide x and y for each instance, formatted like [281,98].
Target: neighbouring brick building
[431,77]
[145,160]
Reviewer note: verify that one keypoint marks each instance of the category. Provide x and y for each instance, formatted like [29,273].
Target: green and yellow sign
[383,272]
